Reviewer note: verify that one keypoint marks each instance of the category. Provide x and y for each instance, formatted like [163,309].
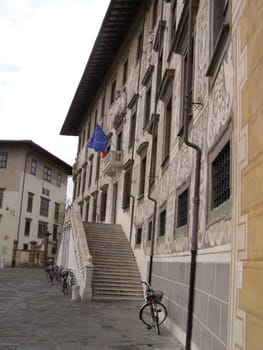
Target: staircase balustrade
[84,259]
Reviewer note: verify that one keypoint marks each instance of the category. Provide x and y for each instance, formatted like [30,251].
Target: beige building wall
[247,311]
[17,182]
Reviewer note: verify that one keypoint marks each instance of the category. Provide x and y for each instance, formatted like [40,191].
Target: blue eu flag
[99,140]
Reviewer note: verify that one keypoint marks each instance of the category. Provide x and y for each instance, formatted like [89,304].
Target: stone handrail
[84,259]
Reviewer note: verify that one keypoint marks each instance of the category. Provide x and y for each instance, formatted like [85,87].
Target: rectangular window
[59,179]
[79,184]
[219,33]
[56,213]
[55,232]
[87,210]
[30,202]
[125,72]
[132,129]
[84,179]
[139,47]
[139,235]
[150,227]
[160,68]
[47,172]
[25,246]
[182,210]
[33,167]
[103,107]
[44,206]
[154,13]
[3,160]
[162,222]
[90,171]
[98,167]
[103,205]
[221,177]
[173,21]
[147,107]
[45,191]
[113,92]
[142,176]
[119,142]
[154,159]
[42,228]
[127,188]
[2,190]
[94,209]
[220,11]
[27,227]
[167,130]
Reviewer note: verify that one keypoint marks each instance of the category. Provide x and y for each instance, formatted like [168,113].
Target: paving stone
[37,316]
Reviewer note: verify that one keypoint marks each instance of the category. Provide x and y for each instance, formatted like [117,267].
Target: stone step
[116,275]
[101,273]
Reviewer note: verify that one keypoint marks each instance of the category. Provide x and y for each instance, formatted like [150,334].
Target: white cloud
[47,43]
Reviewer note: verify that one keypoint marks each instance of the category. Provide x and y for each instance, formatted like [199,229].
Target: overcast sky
[45,45]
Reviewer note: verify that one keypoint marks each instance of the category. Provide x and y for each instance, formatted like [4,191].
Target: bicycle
[153,313]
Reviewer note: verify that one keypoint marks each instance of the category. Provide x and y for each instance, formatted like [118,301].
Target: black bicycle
[153,313]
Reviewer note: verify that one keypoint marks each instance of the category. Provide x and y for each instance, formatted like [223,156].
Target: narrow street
[37,316]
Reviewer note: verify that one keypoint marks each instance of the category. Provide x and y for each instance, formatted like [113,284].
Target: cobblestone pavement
[37,316]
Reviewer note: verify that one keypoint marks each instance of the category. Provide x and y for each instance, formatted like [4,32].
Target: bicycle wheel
[148,314]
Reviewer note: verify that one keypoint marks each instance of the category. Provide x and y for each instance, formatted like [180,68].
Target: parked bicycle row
[62,276]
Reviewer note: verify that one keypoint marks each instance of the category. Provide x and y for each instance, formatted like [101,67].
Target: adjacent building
[33,185]
[176,85]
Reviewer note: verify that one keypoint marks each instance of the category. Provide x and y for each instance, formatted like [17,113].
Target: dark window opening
[162,223]
[139,235]
[182,214]
[221,177]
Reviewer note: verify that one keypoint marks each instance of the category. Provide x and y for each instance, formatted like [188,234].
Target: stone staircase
[116,275]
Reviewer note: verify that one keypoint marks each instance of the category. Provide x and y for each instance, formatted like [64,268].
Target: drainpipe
[154,129]
[136,111]
[196,199]
[20,211]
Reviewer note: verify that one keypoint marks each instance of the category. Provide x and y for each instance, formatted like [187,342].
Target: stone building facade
[172,92]
[33,185]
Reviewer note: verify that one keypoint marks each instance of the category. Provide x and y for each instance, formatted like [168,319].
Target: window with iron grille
[139,235]
[182,211]
[3,160]
[162,222]
[221,177]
